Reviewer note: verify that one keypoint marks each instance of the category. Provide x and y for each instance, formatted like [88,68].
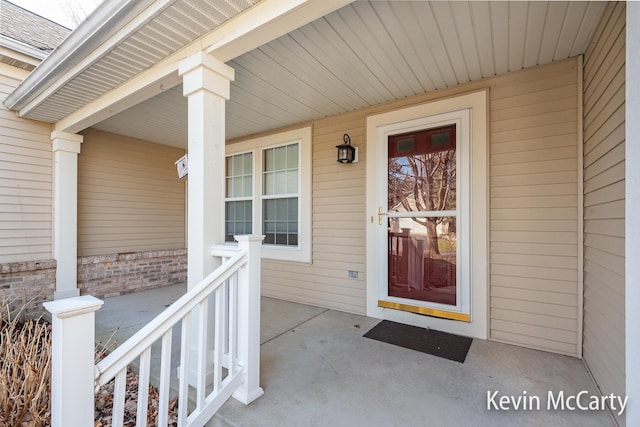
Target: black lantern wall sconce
[346,152]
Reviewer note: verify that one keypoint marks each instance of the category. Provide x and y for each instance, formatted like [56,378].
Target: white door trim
[477,268]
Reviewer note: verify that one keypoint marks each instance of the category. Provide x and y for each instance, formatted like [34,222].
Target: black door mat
[437,343]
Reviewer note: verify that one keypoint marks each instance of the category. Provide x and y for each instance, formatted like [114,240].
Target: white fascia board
[110,23]
[28,54]
[256,26]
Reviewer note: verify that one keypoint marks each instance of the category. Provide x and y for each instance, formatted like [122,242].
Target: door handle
[380,215]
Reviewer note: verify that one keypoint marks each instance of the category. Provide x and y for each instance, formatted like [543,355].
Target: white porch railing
[236,348]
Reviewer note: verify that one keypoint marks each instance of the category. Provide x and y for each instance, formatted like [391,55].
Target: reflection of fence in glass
[414,273]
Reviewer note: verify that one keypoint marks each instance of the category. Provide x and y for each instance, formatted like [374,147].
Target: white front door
[420,253]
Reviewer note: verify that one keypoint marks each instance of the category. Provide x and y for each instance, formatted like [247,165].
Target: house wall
[131,215]
[534,292]
[25,182]
[27,270]
[604,202]
[129,196]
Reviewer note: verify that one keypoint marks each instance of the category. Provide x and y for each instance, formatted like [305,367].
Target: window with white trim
[268,192]
[239,192]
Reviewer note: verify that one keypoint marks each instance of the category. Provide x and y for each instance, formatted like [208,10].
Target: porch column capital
[65,141]
[202,71]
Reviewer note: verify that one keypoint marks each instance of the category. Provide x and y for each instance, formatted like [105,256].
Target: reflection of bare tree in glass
[424,182]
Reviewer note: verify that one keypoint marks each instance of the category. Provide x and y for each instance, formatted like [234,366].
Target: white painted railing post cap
[70,307]
[249,238]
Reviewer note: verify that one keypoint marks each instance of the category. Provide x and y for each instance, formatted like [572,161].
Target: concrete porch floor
[318,370]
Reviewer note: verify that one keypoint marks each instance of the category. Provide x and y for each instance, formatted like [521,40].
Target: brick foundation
[33,282]
[111,275]
[28,283]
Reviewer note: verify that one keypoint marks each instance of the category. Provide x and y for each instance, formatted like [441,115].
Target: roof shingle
[29,28]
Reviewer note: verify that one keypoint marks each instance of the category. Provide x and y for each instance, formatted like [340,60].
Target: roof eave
[22,48]
[99,27]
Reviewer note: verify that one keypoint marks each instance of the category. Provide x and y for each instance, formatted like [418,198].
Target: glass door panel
[422,213]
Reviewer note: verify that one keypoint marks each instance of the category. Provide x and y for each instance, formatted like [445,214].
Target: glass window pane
[281,227]
[267,184]
[268,160]
[238,177]
[246,186]
[292,156]
[269,211]
[237,165]
[238,218]
[281,208]
[292,209]
[280,158]
[280,217]
[292,181]
[236,187]
[269,227]
[247,163]
[229,166]
[280,183]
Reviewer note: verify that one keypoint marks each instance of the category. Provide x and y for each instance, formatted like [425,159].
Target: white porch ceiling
[366,53]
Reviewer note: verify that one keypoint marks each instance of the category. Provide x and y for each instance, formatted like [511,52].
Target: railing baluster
[201,380]
[143,387]
[218,349]
[225,327]
[233,322]
[119,390]
[183,372]
[165,379]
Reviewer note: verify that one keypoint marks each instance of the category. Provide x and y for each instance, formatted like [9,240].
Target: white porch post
[249,319]
[206,84]
[72,368]
[632,225]
[66,147]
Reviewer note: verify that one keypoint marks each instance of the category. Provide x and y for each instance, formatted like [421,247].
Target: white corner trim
[632,212]
[580,213]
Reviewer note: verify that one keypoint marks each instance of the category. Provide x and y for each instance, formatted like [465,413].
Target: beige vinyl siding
[604,204]
[534,210]
[534,298]
[338,228]
[129,196]
[25,184]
